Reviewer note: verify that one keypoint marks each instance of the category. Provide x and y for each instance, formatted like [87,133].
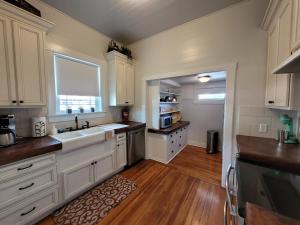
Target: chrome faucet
[76,122]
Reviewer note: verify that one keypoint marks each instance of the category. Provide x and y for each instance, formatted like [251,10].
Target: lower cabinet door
[121,154]
[104,167]
[78,179]
[30,209]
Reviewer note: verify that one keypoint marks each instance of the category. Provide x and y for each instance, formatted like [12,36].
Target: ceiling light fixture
[204,79]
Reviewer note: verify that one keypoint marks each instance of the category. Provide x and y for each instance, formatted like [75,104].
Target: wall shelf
[169,102]
[163,113]
[169,93]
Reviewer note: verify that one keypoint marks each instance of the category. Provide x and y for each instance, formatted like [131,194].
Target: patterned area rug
[94,205]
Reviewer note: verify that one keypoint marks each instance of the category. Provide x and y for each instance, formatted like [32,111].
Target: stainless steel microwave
[165,121]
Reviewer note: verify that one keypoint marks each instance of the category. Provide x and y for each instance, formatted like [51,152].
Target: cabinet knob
[21,101]
[126,102]
[14,101]
[172,141]
[271,102]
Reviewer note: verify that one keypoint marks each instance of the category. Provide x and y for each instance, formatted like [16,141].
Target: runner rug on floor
[94,205]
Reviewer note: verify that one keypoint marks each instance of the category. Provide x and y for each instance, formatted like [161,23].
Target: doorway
[227,137]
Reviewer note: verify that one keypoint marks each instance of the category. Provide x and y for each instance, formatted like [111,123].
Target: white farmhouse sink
[80,138]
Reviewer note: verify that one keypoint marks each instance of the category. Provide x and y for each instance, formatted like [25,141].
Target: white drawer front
[30,209]
[121,136]
[26,166]
[25,186]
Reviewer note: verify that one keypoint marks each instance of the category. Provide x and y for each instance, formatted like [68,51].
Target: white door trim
[228,133]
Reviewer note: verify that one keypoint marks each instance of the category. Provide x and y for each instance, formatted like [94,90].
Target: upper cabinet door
[7,84]
[272,62]
[284,51]
[284,35]
[130,84]
[296,26]
[29,57]
[278,89]
[121,82]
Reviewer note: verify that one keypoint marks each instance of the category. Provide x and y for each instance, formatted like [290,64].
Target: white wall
[227,36]
[74,36]
[202,116]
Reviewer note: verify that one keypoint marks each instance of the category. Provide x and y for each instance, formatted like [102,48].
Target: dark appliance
[135,145]
[7,130]
[26,6]
[165,121]
[212,141]
[270,188]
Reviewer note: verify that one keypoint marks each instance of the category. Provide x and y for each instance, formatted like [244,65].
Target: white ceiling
[130,20]
[192,79]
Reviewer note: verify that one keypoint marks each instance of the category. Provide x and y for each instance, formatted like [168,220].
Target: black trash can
[212,141]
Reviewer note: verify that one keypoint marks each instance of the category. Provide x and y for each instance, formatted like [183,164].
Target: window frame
[53,116]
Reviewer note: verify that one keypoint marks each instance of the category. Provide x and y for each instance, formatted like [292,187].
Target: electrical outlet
[263,128]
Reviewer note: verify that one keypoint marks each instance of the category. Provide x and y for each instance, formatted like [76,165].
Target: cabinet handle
[271,102]
[31,210]
[23,188]
[92,163]
[118,145]
[14,101]
[126,102]
[96,162]
[21,101]
[172,142]
[26,167]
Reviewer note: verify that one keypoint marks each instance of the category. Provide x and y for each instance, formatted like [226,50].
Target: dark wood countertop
[256,215]
[132,125]
[28,147]
[267,152]
[171,129]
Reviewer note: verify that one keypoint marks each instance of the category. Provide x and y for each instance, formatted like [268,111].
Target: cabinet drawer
[27,166]
[30,209]
[22,187]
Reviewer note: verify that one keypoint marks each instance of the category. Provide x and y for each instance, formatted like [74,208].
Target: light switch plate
[263,128]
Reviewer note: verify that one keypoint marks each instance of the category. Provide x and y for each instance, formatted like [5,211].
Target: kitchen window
[77,85]
[215,96]
[214,93]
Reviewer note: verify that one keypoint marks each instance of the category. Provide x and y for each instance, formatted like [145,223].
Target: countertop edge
[169,130]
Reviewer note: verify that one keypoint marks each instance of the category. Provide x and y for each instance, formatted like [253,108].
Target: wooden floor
[186,191]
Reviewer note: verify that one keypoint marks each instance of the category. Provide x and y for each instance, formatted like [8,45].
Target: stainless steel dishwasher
[135,145]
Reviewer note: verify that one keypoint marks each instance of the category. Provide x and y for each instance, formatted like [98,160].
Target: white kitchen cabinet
[28,189]
[84,175]
[121,79]
[82,168]
[22,40]
[103,167]
[121,152]
[279,87]
[163,148]
[295,25]
[31,209]
[29,61]
[78,179]
[7,84]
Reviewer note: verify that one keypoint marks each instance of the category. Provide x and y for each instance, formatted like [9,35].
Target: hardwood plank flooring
[172,194]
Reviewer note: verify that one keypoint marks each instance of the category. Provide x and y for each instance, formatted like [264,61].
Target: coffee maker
[7,130]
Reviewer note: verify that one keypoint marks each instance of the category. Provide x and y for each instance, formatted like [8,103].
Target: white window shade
[76,77]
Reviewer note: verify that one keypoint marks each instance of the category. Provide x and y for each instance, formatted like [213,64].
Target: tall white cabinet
[121,79]
[278,23]
[22,70]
